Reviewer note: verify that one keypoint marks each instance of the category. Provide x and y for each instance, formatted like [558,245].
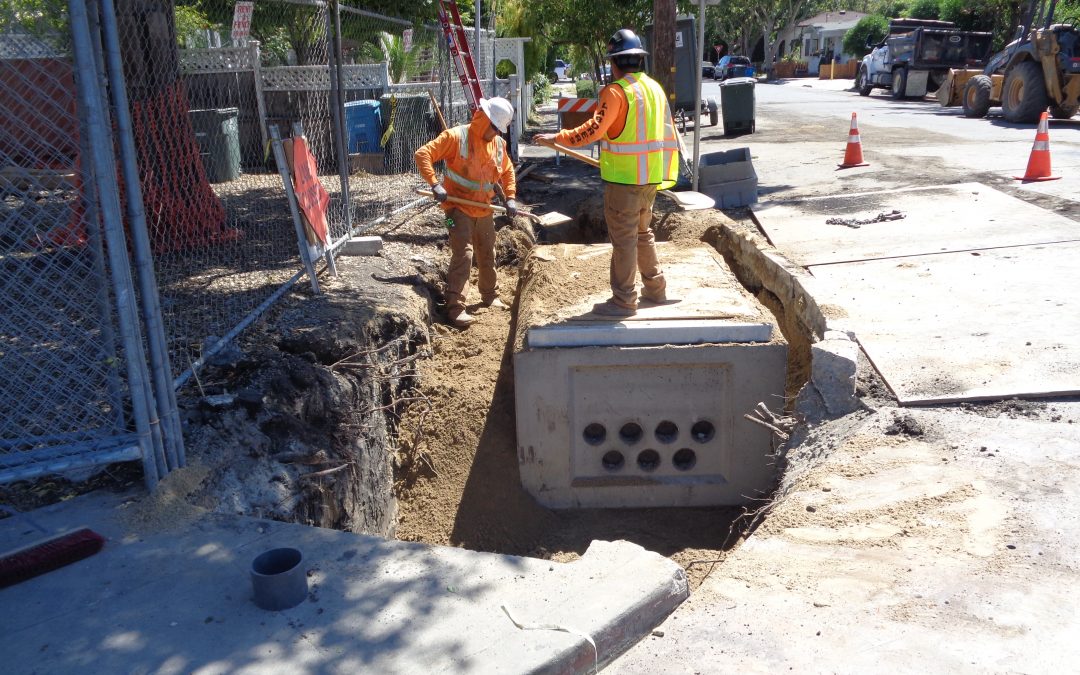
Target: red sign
[241,22]
[310,193]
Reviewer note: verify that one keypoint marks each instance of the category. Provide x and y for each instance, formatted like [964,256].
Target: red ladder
[458,43]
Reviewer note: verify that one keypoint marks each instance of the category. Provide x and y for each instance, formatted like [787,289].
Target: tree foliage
[924,9]
[872,26]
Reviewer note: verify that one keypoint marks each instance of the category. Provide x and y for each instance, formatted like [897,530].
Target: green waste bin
[217,131]
[737,102]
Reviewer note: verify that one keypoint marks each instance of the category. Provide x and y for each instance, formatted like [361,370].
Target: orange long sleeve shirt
[479,166]
[607,122]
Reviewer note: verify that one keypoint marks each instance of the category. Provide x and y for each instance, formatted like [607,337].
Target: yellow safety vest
[646,152]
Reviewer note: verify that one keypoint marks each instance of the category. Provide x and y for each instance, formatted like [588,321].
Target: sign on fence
[406,39]
[311,196]
[241,22]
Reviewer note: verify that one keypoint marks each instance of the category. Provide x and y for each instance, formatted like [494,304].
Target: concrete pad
[958,217]
[697,277]
[965,326]
[178,599]
[638,333]
[362,246]
[951,552]
[651,426]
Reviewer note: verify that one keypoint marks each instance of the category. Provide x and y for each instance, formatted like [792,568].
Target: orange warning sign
[310,194]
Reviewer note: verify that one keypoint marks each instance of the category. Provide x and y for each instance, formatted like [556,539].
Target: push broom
[46,555]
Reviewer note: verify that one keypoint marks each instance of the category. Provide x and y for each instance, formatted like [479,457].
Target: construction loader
[1039,69]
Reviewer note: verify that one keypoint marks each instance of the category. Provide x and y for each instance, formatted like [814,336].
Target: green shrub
[541,89]
[586,89]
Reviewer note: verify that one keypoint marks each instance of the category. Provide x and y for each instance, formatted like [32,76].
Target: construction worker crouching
[639,154]
[476,160]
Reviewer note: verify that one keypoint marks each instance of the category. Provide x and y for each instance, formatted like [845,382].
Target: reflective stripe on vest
[646,152]
[462,133]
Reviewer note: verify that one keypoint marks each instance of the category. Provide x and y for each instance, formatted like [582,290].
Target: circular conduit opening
[612,460]
[648,460]
[631,433]
[594,433]
[667,432]
[702,431]
[684,459]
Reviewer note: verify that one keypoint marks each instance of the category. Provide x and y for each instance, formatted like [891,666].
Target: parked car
[733,66]
[562,70]
[707,69]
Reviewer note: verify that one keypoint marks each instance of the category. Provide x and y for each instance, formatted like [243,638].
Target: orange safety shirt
[480,166]
[607,122]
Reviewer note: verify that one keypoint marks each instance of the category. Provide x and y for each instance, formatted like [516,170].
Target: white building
[820,37]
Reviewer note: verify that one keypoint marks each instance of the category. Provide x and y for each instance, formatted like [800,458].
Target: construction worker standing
[638,155]
[476,160]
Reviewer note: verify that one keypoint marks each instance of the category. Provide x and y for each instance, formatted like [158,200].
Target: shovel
[548,219]
[687,200]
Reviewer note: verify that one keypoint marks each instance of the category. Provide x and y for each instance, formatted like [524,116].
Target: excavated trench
[355,411]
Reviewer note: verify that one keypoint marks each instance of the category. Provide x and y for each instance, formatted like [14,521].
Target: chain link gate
[75,326]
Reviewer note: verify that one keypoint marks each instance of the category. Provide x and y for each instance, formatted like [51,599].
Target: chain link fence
[74,377]
[100,327]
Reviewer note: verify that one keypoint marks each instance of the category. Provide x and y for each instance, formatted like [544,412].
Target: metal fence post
[140,238]
[286,178]
[101,150]
[337,103]
[260,104]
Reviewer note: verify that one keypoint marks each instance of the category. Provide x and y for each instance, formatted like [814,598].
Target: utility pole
[663,52]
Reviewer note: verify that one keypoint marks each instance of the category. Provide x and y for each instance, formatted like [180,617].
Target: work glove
[439,193]
[511,207]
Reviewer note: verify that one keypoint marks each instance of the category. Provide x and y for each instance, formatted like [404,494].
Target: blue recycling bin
[363,125]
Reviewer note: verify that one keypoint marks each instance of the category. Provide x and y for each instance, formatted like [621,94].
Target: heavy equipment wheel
[899,83]
[1060,112]
[862,82]
[1023,98]
[976,98]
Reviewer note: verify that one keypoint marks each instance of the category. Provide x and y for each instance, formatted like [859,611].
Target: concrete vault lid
[561,283]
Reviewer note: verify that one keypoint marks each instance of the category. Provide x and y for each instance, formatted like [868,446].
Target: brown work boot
[609,308]
[662,299]
[494,303]
[463,320]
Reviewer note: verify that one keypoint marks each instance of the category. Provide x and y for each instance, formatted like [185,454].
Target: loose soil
[457,480]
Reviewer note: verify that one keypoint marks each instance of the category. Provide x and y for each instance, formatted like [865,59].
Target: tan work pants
[470,237]
[628,213]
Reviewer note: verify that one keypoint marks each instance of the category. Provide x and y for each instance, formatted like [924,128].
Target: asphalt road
[802,128]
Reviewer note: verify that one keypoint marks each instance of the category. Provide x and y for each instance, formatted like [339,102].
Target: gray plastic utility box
[728,177]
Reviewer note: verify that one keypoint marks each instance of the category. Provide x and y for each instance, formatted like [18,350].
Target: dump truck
[916,55]
[1040,69]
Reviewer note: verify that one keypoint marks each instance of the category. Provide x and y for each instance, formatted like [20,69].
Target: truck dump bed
[936,48]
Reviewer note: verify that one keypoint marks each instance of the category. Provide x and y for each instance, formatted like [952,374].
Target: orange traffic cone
[853,154]
[1038,168]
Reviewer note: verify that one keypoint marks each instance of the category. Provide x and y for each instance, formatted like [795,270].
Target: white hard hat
[499,111]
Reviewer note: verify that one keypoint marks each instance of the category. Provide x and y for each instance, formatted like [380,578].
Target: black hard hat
[624,42]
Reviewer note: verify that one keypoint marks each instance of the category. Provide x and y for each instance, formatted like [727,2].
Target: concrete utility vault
[623,425]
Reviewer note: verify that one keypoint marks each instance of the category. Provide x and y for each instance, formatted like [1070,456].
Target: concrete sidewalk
[176,598]
[949,547]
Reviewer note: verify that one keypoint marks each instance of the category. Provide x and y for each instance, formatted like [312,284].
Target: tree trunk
[182,210]
[768,44]
[663,52]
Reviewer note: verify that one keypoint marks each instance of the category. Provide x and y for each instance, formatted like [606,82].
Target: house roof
[841,19]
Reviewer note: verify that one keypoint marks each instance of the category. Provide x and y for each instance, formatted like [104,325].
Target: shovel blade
[553,218]
[690,201]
